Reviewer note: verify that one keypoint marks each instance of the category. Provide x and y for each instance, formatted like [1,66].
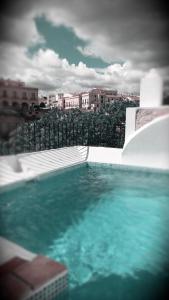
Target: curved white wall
[149,145]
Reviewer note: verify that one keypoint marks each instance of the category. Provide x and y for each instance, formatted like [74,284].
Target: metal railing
[36,136]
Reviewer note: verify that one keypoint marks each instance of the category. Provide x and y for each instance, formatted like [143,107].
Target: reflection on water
[121,234]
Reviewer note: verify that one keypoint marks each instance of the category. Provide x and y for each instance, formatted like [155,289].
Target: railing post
[77,131]
[40,148]
[49,137]
[82,127]
[69,133]
[66,134]
[87,134]
[54,133]
[73,133]
[34,136]
[62,133]
[100,135]
[58,134]
[29,143]
[45,135]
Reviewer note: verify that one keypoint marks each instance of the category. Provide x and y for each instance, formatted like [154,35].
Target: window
[14,95]
[15,104]
[5,103]
[33,96]
[25,106]
[24,96]
[5,94]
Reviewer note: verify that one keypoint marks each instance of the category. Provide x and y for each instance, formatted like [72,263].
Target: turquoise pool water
[109,226]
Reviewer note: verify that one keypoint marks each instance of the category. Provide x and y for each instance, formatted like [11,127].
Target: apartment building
[52,100]
[95,98]
[17,95]
[74,101]
[60,101]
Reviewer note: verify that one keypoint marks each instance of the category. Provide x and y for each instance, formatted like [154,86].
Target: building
[113,98]
[134,98]
[15,94]
[61,101]
[74,101]
[43,101]
[52,100]
[96,98]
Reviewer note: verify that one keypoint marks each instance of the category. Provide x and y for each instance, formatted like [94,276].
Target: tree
[59,128]
[42,105]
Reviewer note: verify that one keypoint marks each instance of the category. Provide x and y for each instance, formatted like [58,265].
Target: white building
[52,100]
[73,101]
[95,98]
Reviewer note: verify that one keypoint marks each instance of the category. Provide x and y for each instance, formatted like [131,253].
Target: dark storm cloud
[89,8]
[134,30]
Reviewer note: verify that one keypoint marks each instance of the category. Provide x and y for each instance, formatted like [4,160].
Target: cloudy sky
[74,45]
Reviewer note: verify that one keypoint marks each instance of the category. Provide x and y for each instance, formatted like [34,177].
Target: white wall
[130,121]
[10,250]
[149,145]
[151,90]
[104,155]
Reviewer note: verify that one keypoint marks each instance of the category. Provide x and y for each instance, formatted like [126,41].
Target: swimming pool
[109,226]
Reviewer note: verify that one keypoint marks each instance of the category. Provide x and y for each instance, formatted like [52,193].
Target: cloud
[20,31]
[118,30]
[46,70]
[115,30]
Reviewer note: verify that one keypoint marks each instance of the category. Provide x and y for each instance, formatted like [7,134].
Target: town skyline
[17,95]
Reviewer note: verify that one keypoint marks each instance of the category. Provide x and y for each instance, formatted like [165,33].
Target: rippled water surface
[109,226]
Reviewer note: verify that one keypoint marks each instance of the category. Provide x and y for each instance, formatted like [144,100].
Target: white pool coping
[18,169]
[9,250]
[104,155]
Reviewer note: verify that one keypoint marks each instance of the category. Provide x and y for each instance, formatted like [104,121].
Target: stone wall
[145,115]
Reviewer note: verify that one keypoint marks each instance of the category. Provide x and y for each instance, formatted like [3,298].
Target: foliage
[59,128]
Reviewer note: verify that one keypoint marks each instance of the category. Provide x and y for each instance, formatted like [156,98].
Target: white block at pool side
[151,90]
[104,155]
